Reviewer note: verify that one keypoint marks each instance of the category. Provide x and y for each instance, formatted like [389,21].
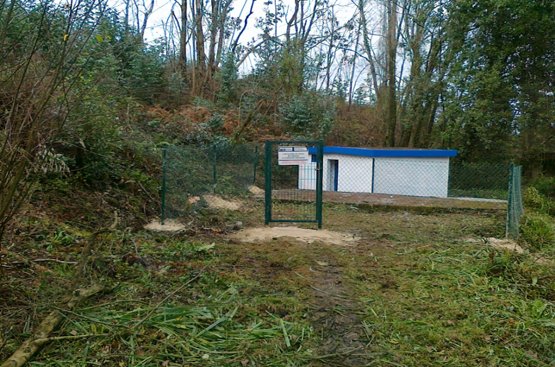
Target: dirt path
[319,268]
[335,315]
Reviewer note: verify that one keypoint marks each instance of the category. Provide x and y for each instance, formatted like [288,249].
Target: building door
[333,174]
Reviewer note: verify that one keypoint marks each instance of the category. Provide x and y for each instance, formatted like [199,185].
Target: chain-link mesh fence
[194,170]
[515,207]
[486,180]
[412,176]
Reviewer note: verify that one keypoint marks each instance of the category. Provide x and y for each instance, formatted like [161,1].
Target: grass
[183,312]
[413,292]
[451,305]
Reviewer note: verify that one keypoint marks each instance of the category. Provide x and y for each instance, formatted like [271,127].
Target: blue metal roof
[388,152]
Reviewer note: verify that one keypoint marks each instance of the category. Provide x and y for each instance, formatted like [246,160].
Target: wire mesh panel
[486,180]
[194,170]
[293,181]
[515,208]
[411,176]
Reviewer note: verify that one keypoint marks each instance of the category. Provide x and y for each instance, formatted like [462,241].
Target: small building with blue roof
[401,171]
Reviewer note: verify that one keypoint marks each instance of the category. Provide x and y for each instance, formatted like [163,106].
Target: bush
[227,80]
[537,231]
[309,115]
[534,200]
[545,186]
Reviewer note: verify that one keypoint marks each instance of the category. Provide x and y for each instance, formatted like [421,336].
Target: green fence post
[267,182]
[520,204]
[509,202]
[319,179]
[255,164]
[163,187]
[519,209]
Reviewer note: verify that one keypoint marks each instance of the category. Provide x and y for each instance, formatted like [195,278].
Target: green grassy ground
[413,292]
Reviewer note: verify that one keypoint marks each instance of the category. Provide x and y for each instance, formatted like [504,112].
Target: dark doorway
[333,174]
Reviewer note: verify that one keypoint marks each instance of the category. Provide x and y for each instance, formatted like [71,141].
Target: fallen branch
[43,330]
[69,337]
[24,261]
[55,261]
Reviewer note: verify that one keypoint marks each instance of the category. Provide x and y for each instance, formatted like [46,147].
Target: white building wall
[355,173]
[307,177]
[395,176]
[412,176]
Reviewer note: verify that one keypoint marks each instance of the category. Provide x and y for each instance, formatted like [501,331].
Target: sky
[162,10]
[344,10]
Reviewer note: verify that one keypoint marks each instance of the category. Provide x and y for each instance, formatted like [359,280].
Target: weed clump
[531,279]
[536,201]
[545,186]
[538,231]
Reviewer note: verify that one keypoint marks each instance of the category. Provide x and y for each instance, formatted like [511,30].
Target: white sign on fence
[293,156]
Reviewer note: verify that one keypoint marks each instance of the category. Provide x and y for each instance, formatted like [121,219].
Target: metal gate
[293,181]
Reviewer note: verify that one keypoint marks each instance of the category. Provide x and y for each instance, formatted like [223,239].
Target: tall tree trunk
[368,48]
[391,115]
[330,55]
[125,17]
[194,48]
[214,25]
[146,15]
[352,77]
[199,35]
[292,21]
[221,30]
[183,39]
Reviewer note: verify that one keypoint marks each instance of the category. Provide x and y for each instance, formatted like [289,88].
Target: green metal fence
[515,208]
[194,170]
[294,192]
[293,181]
[486,180]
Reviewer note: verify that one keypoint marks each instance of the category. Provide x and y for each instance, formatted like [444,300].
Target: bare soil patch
[267,234]
[217,202]
[504,244]
[336,315]
[256,191]
[510,245]
[169,225]
[317,276]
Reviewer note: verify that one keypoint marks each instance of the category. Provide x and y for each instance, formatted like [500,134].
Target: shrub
[533,199]
[545,186]
[537,230]
[309,115]
[227,80]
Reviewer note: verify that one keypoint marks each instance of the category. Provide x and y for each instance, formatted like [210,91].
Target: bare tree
[137,13]
[245,24]
[183,37]
[391,62]
[367,43]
